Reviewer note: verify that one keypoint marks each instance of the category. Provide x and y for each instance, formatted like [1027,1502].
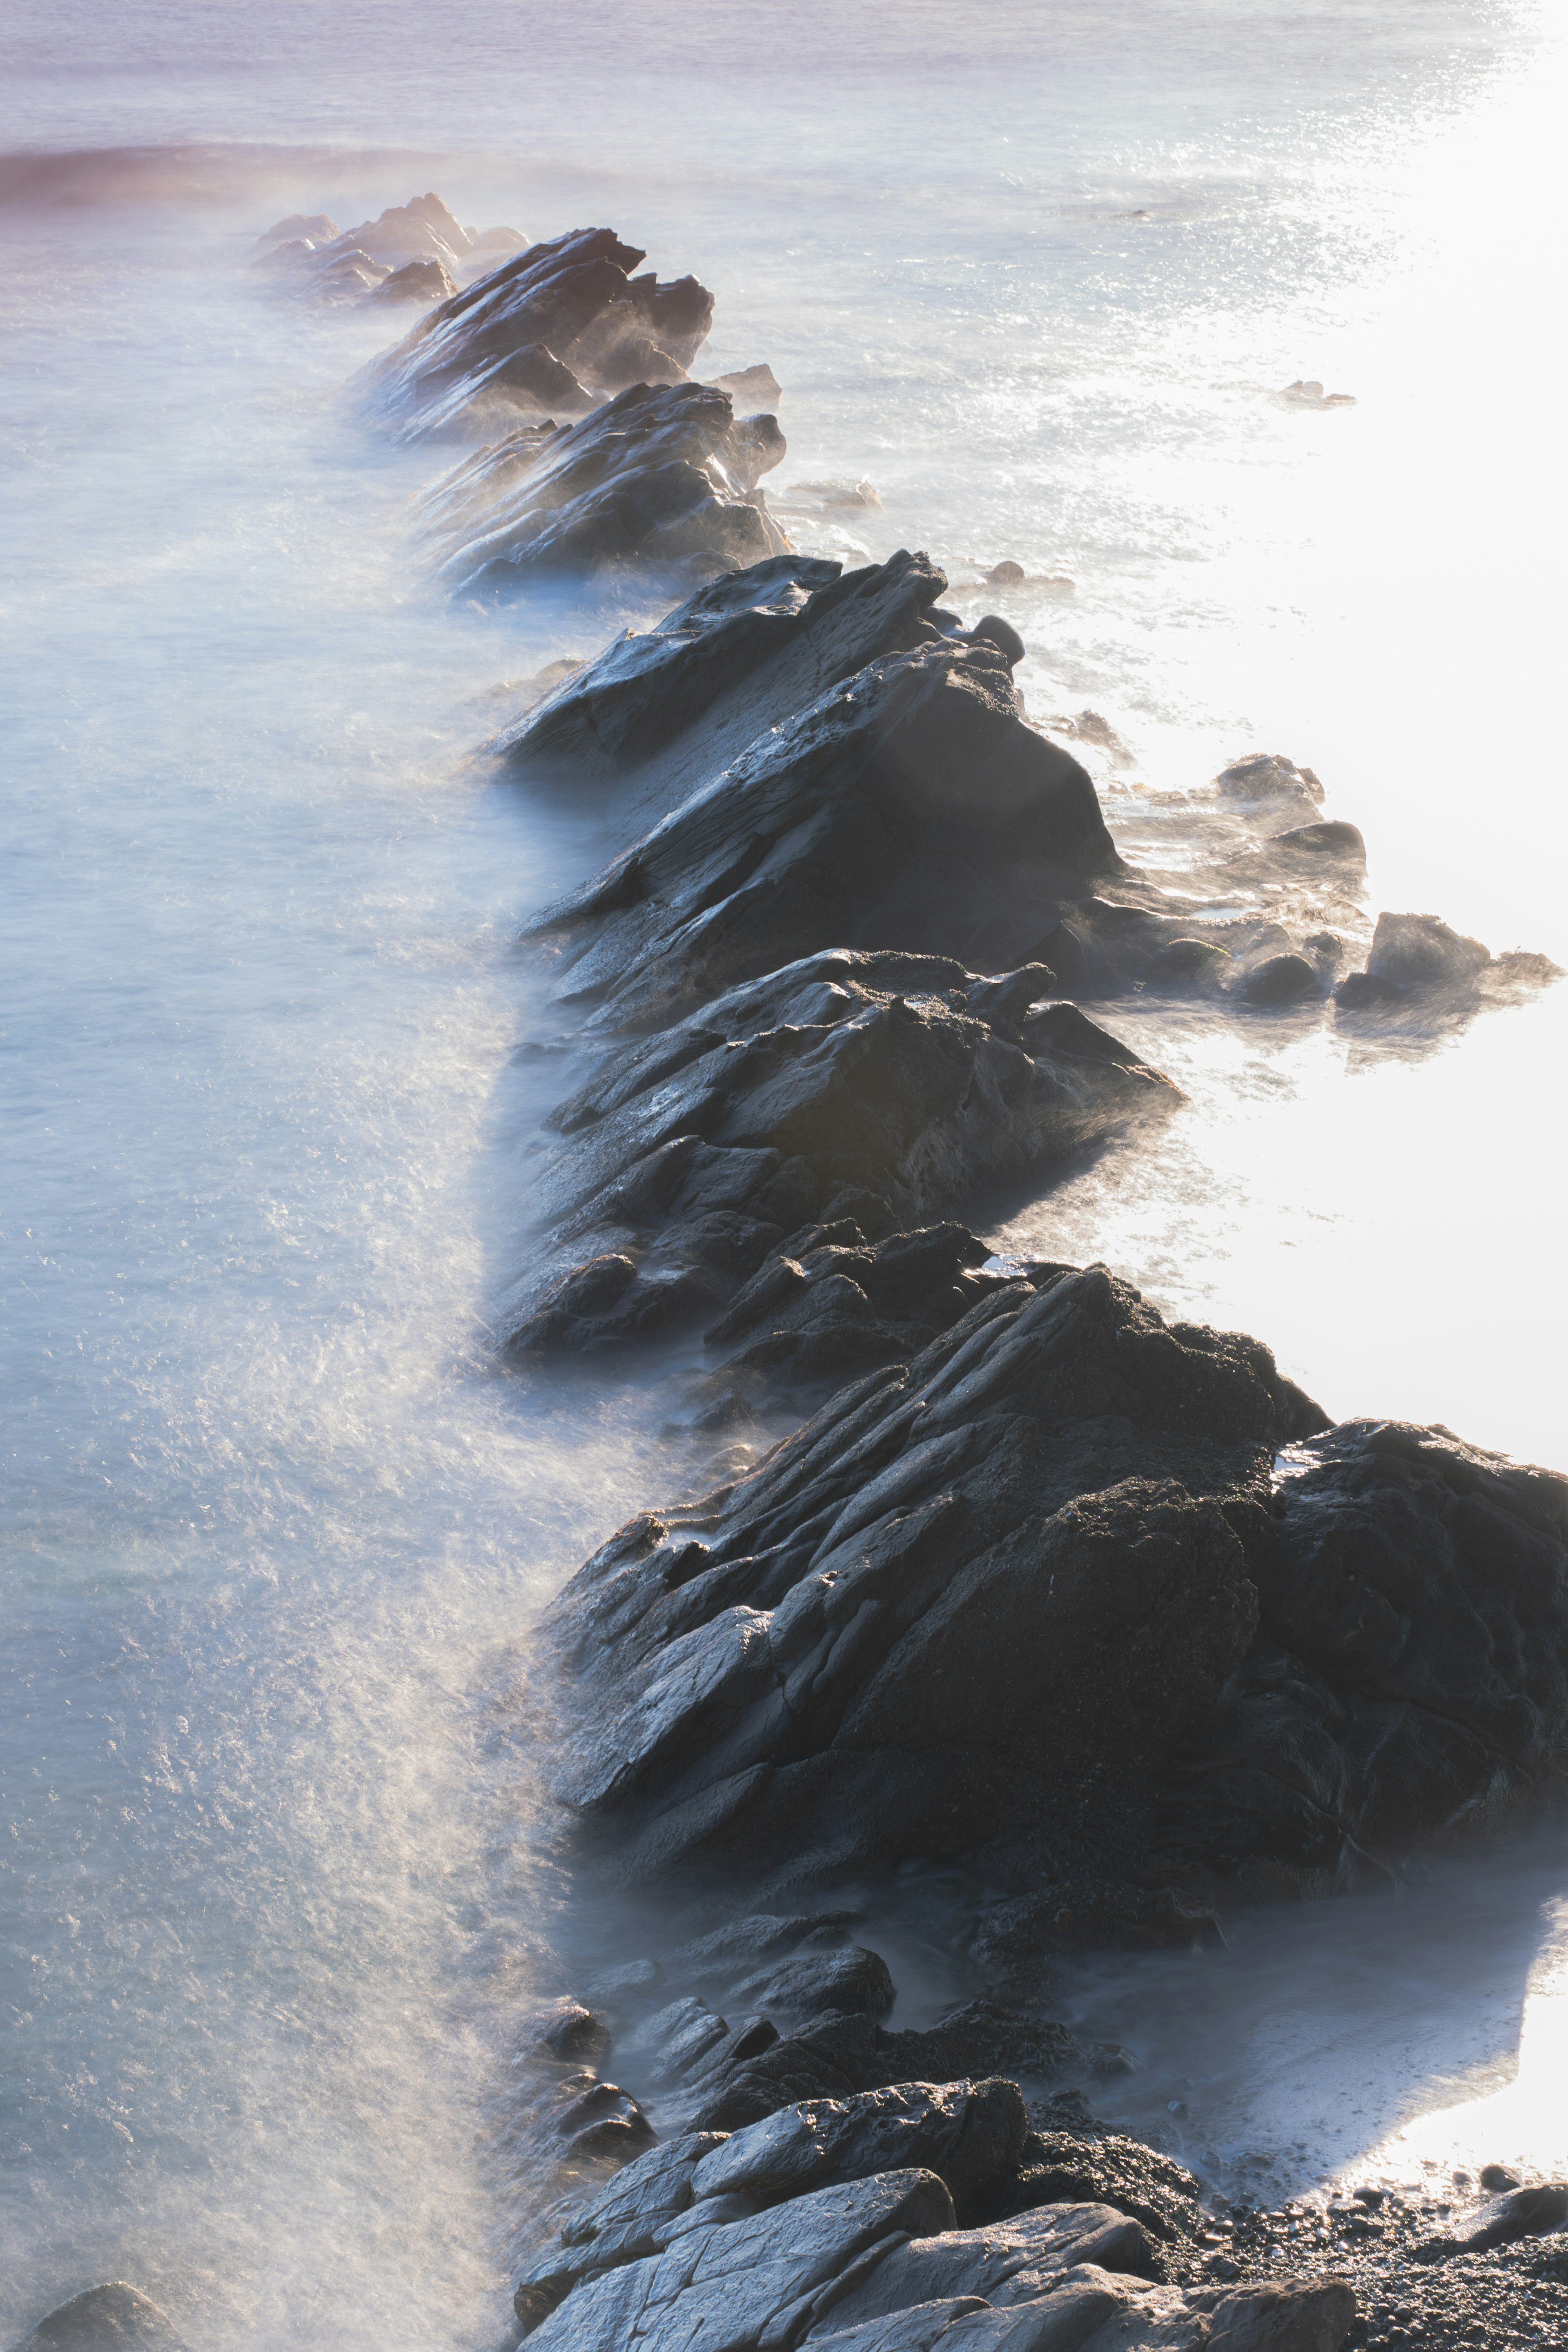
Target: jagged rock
[723,2285]
[673,706]
[632,2216]
[972,2135]
[751,388]
[842,2055]
[732,1952]
[1411,1671]
[855,1091]
[111,2318]
[1065,2168]
[662,475]
[974,1600]
[1006,2262]
[908,809]
[574,299]
[421,230]
[417,281]
[315,228]
[1411,955]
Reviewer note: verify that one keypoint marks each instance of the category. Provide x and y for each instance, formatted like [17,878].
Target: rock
[932,1620]
[853,1981]
[1518,2213]
[916,778]
[972,2135]
[1497,2177]
[662,475]
[674,706]
[1419,951]
[1006,2262]
[631,2217]
[315,228]
[1088,1915]
[1308,392]
[574,299]
[840,2056]
[1332,840]
[724,2287]
[632,1978]
[1071,2167]
[1284,2315]
[750,389]
[854,1091]
[422,229]
[1006,574]
[1268,777]
[111,2318]
[566,2032]
[1410,1677]
[732,1951]
[1280,979]
[417,281]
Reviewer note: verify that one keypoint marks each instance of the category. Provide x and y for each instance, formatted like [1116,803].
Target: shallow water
[275,1528]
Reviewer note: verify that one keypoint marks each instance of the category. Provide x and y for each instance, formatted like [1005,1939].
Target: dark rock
[848,1087]
[632,1979]
[676,704]
[568,2032]
[909,809]
[1088,1915]
[972,2135]
[841,2055]
[1065,2167]
[1006,574]
[723,2285]
[662,475]
[417,281]
[933,1618]
[994,630]
[573,298]
[853,1981]
[732,1951]
[1410,1678]
[111,2318]
[750,389]
[1497,2177]
[627,2219]
[1281,980]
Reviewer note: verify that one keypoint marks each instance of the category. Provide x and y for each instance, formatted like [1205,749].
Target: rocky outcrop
[572,302]
[660,475]
[1416,963]
[1037,1601]
[417,251]
[735,1164]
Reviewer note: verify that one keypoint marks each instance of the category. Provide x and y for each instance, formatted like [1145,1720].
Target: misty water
[275,1524]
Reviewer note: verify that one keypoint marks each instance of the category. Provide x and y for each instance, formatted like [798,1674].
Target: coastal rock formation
[799,1119]
[417,251]
[1035,1601]
[660,475]
[572,303]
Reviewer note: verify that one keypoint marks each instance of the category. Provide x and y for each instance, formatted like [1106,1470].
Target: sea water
[275,1525]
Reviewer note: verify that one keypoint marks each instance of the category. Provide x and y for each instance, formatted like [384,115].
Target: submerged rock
[573,301]
[112,2318]
[662,475]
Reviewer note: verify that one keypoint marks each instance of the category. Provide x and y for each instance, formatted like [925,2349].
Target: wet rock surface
[662,474]
[417,251]
[111,2318]
[468,367]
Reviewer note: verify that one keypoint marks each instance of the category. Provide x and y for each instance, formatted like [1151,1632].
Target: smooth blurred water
[274,1525]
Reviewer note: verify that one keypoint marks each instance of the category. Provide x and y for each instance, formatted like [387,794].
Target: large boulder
[573,299]
[840,2056]
[845,1095]
[665,475]
[972,2135]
